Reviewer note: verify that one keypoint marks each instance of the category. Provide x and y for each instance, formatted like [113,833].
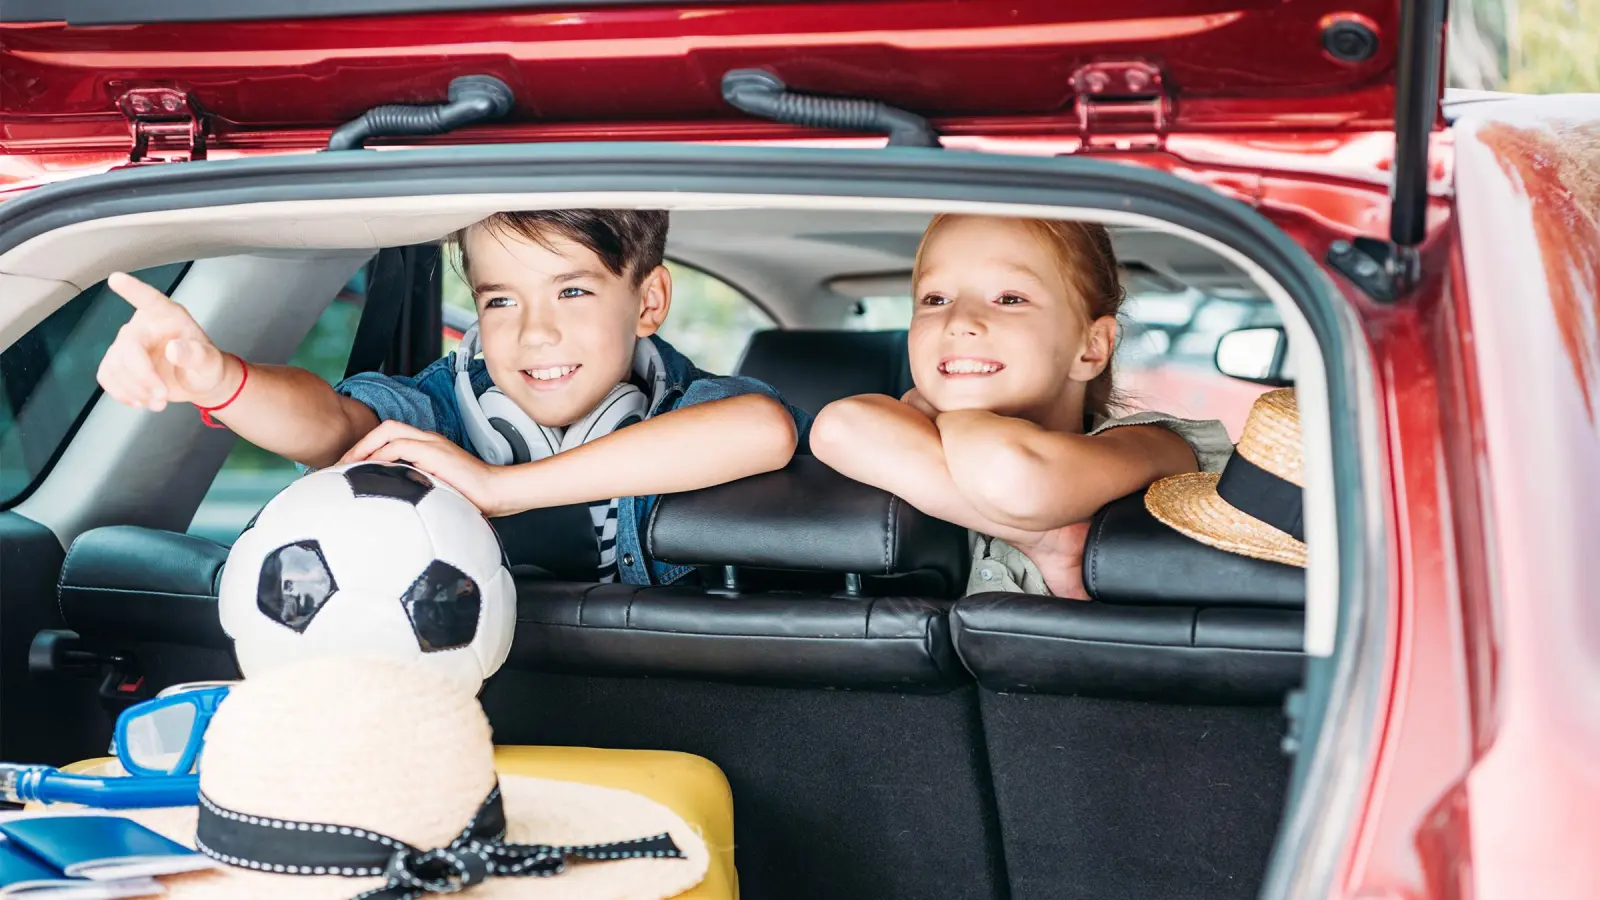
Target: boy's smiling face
[558,327]
[998,327]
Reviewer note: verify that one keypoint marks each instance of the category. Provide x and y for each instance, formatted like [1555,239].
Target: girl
[1009,430]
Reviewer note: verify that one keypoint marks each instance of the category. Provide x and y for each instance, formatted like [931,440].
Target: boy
[565,300]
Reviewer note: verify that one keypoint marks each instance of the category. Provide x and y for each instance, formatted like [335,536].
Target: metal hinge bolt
[1121,105]
[164,119]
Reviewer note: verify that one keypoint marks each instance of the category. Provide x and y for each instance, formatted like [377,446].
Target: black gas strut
[473,98]
[761,93]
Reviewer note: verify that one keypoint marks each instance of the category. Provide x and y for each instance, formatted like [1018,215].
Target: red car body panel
[655,71]
[1258,111]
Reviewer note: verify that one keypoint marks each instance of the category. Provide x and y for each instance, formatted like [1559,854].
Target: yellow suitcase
[691,786]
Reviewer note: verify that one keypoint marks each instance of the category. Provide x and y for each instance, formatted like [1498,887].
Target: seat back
[1145,724]
[814,368]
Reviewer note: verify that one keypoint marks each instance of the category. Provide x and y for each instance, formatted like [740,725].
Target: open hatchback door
[284,74]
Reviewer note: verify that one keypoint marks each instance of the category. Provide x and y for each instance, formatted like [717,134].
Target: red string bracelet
[206,411]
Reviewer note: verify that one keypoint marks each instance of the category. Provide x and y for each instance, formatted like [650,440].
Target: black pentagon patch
[397,482]
[295,583]
[443,605]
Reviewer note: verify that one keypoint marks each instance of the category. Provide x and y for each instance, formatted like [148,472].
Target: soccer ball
[369,559]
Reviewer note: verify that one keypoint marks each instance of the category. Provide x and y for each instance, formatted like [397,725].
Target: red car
[1421,720]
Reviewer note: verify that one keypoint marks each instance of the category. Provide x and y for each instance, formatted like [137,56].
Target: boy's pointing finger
[140,296]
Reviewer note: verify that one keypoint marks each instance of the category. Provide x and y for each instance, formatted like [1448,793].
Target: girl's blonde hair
[1089,264]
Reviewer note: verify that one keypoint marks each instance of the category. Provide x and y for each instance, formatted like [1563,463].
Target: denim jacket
[427,401]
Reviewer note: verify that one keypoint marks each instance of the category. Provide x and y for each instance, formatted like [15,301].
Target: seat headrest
[814,368]
[1132,557]
[807,517]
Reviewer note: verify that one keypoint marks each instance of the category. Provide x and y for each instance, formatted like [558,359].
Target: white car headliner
[782,257]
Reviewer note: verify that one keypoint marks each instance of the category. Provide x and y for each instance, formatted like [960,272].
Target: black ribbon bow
[1263,496]
[477,854]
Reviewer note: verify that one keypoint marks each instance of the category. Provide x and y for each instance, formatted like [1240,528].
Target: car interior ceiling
[883,736]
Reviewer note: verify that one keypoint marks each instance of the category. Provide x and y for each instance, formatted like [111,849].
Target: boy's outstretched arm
[162,356]
[691,447]
[1026,477]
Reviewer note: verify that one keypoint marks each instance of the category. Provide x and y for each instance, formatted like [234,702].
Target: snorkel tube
[43,784]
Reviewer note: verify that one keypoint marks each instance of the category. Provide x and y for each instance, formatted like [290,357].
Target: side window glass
[710,321]
[1167,360]
[48,383]
[879,313]
[458,310]
[251,476]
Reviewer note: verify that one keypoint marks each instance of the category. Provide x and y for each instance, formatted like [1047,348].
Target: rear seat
[866,633]
[1176,621]
[1151,716]
[838,710]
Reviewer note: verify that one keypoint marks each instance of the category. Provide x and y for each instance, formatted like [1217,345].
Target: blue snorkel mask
[164,735]
[158,743]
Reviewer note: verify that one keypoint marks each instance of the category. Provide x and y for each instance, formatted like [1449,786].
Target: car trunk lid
[250,75]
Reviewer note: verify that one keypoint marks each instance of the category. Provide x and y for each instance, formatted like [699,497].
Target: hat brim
[538,811]
[1189,504]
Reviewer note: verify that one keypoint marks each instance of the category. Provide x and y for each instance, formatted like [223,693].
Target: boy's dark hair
[629,242]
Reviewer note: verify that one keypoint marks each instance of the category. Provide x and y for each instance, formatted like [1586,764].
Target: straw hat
[336,763]
[1253,507]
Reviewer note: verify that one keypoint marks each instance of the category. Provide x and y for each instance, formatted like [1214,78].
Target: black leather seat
[1173,620]
[795,640]
[1142,727]
[814,666]
[128,584]
[882,625]
[814,368]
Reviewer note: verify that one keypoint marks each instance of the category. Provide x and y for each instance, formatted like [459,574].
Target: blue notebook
[23,875]
[87,856]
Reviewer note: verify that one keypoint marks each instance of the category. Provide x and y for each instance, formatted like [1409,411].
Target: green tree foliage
[1525,46]
[1555,47]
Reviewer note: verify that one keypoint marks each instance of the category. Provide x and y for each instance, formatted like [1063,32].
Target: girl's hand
[914,400]
[1059,555]
[433,453]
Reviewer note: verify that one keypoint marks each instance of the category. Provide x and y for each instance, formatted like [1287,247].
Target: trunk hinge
[164,120]
[1121,105]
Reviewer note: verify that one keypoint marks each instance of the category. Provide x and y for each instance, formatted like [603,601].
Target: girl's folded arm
[878,440]
[1025,477]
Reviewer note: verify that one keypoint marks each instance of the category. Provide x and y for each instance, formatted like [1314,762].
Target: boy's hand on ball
[435,454]
[161,355]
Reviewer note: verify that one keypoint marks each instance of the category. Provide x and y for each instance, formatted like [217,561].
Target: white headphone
[502,434]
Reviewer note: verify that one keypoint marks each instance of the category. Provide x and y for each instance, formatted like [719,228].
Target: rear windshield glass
[47,379]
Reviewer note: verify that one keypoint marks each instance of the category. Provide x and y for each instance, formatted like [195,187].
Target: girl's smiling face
[999,326]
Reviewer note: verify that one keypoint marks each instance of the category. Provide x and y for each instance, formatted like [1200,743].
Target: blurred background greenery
[1524,46]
